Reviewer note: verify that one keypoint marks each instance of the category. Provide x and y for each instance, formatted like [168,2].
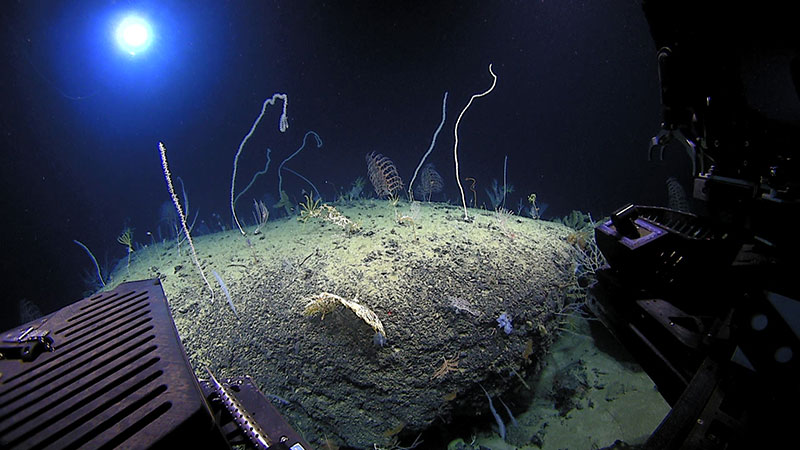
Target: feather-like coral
[383,175]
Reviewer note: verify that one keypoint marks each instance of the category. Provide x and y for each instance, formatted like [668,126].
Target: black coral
[430,182]
[383,175]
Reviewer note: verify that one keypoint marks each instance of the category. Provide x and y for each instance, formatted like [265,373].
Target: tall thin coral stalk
[182,216]
[455,131]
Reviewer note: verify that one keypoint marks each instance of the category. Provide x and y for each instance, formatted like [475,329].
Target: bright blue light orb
[134,34]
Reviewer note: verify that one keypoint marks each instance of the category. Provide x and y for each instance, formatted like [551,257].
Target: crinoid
[309,209]
[448,365]
[383,175]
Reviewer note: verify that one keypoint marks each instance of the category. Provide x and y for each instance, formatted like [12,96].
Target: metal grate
[117,377]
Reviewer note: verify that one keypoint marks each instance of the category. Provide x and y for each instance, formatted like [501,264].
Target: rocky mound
[465,306]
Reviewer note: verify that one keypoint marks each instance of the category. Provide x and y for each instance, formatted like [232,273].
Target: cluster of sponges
[325,302]
[312,209]
[333,216]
